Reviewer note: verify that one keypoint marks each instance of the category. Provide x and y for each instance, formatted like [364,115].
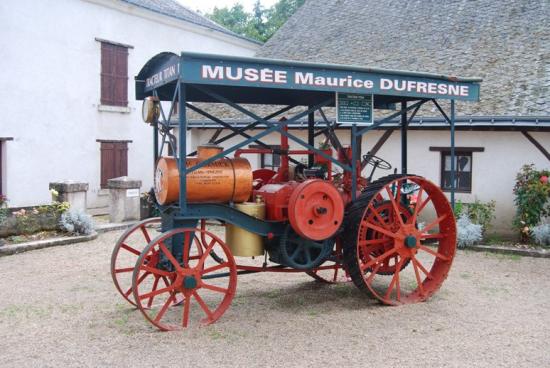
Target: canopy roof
[285,82]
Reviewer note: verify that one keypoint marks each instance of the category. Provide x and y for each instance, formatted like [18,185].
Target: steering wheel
[376,161]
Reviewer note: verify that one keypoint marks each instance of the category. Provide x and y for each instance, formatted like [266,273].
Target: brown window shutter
[114,161]
[114,75]
[107,159]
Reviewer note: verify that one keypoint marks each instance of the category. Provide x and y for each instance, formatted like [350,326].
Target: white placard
[132,193]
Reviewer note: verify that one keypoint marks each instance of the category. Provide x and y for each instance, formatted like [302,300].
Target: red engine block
[276,198]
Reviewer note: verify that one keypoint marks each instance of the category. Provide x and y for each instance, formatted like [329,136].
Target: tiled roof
[506,42]
[174,9]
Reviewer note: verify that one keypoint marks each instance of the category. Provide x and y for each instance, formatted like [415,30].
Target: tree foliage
[261,23]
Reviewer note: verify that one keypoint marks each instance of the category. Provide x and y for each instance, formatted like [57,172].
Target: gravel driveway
[58,308]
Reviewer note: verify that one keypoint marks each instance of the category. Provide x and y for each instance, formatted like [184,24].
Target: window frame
[442,170]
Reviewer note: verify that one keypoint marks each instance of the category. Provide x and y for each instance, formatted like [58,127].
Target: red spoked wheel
[200,290]
[332,271]
[128,247]
[400,220]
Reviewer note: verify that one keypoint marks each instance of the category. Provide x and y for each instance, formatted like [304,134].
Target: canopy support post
[310,136]
[453,174]
[404,126]
[353,162]
[182,148]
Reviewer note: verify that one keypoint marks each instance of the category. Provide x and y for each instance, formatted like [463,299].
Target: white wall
[50,93]
[493,171]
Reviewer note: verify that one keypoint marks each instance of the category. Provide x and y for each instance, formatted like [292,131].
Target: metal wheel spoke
[139,281]
[432,236]
[203,305]
[394,205]
[417,275]
[422,268]
[186,307]
[156,271]
[378,259]
[121,270]
[164,308]
[154,288]
[379,217]
[145,233]
[170,257]
[395,281]
[214,288]
[374,273]
[434,223]
[433,252]
[379,229]
[156,292]
[373,241]
[130,249]
[419,205]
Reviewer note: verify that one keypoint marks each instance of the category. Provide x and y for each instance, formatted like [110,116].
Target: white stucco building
[68,91]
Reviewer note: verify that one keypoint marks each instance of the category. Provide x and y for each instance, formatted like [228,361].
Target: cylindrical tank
[222,181]
[241,242]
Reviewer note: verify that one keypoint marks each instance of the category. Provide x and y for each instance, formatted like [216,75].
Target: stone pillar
[123,199]
[72,192]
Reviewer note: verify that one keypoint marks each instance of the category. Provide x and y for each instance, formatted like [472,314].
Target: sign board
[352,108]
[132,193]
[290,75]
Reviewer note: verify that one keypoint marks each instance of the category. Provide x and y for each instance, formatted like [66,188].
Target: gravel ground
[58,308]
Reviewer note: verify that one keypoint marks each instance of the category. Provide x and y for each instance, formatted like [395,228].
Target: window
[114,74]
[463,171]
[269,160]
[114,160]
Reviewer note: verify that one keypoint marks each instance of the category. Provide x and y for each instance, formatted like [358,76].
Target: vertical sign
[352,108]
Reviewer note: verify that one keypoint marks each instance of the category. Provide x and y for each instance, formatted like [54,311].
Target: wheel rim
[127,249]
[405,238]
[193,295]
[335,273]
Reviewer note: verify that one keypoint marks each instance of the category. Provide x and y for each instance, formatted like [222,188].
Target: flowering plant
[532,192]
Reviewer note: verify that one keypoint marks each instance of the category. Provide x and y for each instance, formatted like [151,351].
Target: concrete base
[72,192]
[124,199]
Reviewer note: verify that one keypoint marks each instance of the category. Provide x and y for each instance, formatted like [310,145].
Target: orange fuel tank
[222,181]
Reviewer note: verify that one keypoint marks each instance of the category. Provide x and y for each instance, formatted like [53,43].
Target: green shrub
[480,213]
[531,191]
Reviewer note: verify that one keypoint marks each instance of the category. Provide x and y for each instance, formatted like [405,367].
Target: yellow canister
[241,242]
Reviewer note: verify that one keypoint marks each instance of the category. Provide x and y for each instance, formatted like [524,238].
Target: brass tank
[241,242]
[222,181]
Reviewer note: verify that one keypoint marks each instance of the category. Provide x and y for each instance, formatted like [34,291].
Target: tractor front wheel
[194,289]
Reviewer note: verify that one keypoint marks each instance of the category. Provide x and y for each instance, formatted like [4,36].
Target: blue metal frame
[187,214]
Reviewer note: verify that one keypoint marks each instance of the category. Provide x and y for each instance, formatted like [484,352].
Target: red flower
[544,179]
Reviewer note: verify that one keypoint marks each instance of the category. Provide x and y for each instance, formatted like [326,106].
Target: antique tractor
[397,223]
[319,212]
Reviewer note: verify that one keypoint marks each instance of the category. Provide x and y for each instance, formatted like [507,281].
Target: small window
[114,74]
[463,171]
[114,161]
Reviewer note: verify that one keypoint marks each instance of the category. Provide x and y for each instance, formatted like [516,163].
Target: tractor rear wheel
[400,219]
